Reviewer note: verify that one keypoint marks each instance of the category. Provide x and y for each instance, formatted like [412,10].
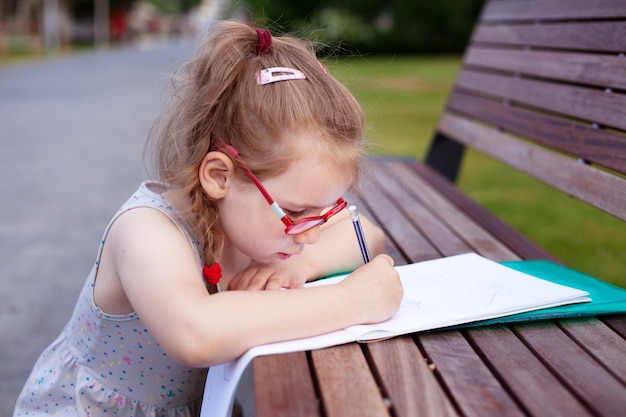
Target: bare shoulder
[145,234]
[142,221]
[140,248]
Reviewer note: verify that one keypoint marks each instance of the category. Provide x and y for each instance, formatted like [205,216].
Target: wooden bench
[542,88]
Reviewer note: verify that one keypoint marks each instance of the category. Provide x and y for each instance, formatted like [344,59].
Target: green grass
[403,98]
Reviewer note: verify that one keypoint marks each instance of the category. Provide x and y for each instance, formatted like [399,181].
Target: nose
[309,237]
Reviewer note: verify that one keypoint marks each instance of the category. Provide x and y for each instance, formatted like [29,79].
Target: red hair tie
[264,41]
[212,273]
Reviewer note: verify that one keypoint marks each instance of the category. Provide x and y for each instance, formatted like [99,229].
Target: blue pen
[354,215]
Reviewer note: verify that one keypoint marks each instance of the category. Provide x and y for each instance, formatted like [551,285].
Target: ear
[215,174]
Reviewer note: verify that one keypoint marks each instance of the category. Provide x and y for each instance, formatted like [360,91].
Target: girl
[254,155]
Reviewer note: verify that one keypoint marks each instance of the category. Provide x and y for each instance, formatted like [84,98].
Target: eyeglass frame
[291,226]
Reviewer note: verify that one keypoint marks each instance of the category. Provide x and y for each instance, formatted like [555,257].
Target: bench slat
[552,9]
[349,393]
[599,146]
[580,36]
[598,388]
[456,219]
[601,341]
[519,368]
[391,248]
[407,380]
[409,239]
[585,182]
[593,105]
[606,71]
[417,214]
[474,388]
[617,324]
[513,239]
[289,374]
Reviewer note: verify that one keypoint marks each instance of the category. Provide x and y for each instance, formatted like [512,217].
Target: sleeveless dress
[110,365]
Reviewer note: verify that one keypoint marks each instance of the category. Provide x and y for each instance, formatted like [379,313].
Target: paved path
[71,136]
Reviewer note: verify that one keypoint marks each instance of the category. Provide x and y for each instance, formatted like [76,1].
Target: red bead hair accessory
[212,273]
[264,41]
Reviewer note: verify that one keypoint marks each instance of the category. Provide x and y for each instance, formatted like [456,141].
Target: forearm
[234,321]
[338,249]
[256,318]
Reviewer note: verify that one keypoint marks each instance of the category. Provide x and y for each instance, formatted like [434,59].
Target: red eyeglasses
[292,227]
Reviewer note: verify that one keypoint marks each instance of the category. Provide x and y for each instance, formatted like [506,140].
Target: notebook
[451,291]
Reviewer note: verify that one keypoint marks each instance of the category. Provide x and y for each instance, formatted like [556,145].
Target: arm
[336,251]
[159,277]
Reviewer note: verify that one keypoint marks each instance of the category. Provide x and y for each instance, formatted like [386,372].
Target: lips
[285,256]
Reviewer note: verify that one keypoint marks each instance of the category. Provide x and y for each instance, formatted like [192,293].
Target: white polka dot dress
[110,365]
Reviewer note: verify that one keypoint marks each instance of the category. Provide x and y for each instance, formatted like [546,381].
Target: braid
[206,227]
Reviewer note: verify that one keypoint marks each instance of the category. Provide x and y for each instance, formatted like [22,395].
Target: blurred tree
[173,6]
[397,26]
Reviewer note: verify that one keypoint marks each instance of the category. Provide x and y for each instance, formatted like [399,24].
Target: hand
[258,276]
[376,289]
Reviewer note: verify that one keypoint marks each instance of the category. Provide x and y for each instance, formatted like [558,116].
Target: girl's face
[310,185]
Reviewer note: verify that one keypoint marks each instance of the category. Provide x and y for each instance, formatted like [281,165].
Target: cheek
[259,244]
[255,231]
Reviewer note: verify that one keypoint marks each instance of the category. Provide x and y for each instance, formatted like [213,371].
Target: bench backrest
[542,88]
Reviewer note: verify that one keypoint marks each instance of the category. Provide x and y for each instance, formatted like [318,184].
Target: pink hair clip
[274,74]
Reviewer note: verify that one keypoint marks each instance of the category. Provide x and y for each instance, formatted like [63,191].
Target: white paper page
[438,293]
[462,289]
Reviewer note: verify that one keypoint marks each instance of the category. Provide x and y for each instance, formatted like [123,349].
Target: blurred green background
[400,59]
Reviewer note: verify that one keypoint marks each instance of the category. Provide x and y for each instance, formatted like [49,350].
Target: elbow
[189,352]
[192,355]
[188,348]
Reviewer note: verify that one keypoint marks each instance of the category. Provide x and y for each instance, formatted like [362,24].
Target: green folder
[605,298]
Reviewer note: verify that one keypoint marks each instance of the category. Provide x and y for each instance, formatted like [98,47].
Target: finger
[238,282]
[242,280]
[387,258]
[295,283]
[258,281]
[234,283]
[274,283]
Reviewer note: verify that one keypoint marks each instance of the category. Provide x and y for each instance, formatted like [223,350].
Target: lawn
[403,97]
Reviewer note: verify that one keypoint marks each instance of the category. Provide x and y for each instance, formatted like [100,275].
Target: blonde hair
[216,98]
